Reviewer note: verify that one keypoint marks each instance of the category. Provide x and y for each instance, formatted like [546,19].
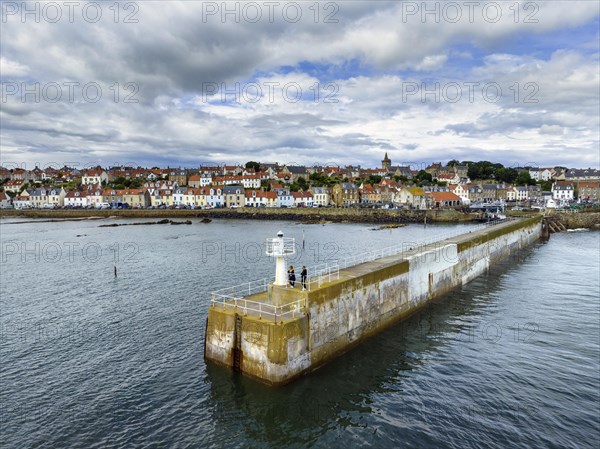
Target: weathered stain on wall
[365,300]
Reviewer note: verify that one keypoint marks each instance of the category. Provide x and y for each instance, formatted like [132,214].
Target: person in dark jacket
[291,276]
[303,276]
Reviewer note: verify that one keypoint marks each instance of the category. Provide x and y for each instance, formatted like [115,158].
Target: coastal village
[436,186]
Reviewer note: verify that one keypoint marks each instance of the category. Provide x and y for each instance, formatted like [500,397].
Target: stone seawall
[309,215]
[589,220]
[365,299]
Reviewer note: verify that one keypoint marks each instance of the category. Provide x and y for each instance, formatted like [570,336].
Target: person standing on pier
[292,276]
[303,275]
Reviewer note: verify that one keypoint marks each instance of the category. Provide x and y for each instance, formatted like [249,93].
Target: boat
[492,213]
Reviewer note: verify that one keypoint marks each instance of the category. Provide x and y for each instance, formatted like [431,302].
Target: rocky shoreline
[590,220]
[320,215]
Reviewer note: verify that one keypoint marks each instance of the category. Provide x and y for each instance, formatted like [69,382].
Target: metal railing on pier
[236,297]
[257,308]
[403,247]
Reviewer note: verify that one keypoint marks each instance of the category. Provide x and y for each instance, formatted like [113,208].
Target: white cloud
[12,69]
[173,56]
[551,129]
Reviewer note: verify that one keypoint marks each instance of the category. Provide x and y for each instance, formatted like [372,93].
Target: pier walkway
[256,298]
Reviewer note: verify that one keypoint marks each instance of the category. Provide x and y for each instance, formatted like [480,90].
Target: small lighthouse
[279,248]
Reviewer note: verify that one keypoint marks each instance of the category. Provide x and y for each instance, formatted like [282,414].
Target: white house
[462,191]
[258,198]
[450,178]
[284,198]
[22,201]
[254,198]
[320,196]
[95,198]
[302,199]
[215,197]
[75,198]
[178,196]
[13,185]
[563,192]
[251,181]
[540,174]
[94,176]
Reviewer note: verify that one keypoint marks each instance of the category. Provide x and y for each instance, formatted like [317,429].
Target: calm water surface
[89,361]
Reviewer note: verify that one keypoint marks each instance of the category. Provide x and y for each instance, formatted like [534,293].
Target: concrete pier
[278,334]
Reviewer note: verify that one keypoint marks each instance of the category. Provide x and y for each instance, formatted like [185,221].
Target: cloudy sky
[189,83]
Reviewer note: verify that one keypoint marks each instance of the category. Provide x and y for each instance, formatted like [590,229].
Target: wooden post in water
[115,263]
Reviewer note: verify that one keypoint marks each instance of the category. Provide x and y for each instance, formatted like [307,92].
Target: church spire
[386,163]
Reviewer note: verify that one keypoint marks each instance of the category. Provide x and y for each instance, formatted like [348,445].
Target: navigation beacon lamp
[279,248]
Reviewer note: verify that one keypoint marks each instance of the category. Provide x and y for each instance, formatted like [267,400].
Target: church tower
[386,163]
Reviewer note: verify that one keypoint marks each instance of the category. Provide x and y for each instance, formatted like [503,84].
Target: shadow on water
[339,393]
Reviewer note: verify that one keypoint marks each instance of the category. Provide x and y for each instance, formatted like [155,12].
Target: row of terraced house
[235,186]
[388,192]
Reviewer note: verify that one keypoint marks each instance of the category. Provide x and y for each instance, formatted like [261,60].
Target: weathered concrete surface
[364,300]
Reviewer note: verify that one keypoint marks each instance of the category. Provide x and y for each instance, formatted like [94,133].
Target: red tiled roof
[260,194]
[444,196]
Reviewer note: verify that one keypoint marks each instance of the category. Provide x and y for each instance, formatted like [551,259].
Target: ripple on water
[86,360]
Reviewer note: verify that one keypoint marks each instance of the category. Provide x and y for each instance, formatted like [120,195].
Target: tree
[253,164]
[321,180]
[546,186]
[507,175]
[482,169]
[423,176]
[302,183]
[524,179]
[453,163]
[373,179]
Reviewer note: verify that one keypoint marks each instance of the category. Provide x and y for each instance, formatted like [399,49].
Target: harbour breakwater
[280,334]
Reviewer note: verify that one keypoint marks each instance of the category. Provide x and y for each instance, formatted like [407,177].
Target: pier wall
[364,300]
